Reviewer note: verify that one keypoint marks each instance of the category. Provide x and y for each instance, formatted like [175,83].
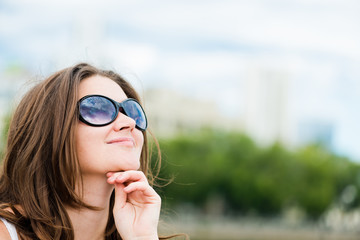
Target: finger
[120,195]
[112,176]
[109,174]
[142,187]
[129,176]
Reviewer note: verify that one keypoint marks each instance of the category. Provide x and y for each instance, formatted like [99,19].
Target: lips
[125,141]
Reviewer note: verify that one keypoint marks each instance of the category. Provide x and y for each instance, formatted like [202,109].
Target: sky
[206,49]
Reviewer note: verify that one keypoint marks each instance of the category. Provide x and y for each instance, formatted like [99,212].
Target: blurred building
[170,112]
[267,113]
[266,116]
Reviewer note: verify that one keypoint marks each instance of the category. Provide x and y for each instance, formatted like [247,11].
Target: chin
[125,161]
[130,166]
[135,167]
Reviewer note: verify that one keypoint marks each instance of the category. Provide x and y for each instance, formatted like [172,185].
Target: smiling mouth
[129,142]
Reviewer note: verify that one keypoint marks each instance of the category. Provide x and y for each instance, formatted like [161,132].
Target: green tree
[253,179]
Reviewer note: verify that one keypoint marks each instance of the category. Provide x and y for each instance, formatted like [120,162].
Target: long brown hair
[40,167]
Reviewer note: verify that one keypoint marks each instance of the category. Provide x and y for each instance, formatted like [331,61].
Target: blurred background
[254,103]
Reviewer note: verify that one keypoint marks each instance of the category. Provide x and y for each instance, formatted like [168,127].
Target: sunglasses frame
[119,107]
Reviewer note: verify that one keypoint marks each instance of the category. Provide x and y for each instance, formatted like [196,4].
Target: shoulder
[4,233]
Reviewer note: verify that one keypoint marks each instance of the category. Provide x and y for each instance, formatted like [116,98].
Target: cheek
[80,145]
[85,142]
[139,138]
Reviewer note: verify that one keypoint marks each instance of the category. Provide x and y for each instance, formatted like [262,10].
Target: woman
[77,162]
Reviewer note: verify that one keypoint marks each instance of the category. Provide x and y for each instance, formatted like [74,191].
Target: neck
[90,224]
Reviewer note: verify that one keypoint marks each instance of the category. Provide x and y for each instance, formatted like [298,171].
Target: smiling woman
[109,138]
[77,167]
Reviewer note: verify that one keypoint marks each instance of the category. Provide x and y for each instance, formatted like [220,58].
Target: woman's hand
[137,205]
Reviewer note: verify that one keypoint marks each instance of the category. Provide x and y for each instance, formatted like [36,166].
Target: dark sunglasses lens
[97,110]
[134,111]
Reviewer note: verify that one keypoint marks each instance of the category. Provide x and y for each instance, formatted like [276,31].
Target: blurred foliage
[3,134]
[250,179]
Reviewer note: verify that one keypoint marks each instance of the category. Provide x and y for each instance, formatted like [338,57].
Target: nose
[123,122]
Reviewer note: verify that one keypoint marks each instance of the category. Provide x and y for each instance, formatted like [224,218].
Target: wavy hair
[40,167]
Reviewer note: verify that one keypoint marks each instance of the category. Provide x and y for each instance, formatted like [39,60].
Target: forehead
[103,86]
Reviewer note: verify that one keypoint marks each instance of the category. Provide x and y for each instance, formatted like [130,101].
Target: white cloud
[139,57]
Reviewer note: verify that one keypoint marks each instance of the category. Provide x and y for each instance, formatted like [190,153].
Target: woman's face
[114,147]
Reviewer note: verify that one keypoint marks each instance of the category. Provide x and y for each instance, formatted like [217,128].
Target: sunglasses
[98,110]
